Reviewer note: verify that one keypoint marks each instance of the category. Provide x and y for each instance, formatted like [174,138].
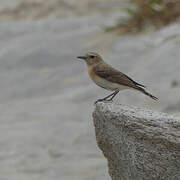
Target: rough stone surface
[139,144]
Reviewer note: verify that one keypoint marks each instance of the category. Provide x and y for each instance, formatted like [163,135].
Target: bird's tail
[146,93]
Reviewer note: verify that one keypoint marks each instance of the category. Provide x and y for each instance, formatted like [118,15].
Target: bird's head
[91,58]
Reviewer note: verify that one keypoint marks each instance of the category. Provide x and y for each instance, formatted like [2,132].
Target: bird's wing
[115,76]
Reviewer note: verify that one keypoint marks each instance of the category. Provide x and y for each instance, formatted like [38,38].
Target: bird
[109,78]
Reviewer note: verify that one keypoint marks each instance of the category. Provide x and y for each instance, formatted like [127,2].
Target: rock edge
[139,144]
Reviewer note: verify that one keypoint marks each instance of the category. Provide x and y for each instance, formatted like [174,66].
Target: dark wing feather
[135,82]
[115,76]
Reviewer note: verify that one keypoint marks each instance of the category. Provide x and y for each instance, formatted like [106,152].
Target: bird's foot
[103,100]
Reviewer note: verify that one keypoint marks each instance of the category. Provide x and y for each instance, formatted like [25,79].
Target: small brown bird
[109,78]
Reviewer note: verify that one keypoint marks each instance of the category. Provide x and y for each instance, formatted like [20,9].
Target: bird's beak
[82,57]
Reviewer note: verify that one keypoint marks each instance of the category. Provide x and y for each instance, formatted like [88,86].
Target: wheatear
[109,78]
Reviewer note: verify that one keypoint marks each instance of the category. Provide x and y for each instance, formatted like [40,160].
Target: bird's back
[110,74]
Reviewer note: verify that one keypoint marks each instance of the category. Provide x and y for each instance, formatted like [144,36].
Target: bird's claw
[99,100]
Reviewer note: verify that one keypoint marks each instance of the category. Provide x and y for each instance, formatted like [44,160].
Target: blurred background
[46,99]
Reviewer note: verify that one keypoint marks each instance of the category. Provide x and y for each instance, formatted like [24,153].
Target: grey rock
[139,144]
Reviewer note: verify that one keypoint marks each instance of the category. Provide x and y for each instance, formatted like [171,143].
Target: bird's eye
[92,57]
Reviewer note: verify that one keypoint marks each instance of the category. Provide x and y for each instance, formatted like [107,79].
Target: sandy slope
[37,9]
[46,99]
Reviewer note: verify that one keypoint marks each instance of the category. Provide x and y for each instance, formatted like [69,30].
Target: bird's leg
[106,98]
[115,93]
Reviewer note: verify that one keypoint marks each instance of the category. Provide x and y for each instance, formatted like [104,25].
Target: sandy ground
[38,9]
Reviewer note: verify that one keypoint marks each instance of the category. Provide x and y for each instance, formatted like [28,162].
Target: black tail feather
[150,95]
[146,93]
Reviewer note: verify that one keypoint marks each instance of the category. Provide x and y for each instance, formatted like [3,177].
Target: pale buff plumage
[109,78]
